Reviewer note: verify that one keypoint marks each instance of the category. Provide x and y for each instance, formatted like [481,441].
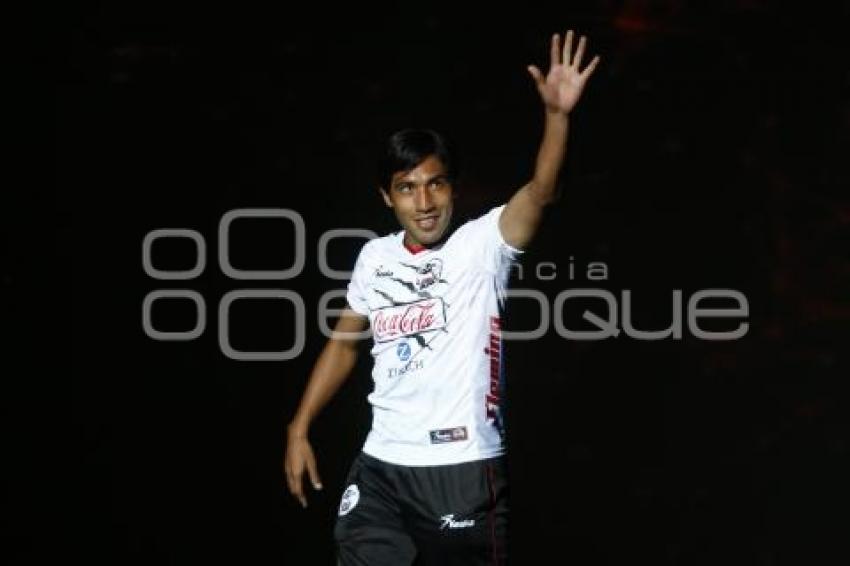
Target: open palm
[561,88]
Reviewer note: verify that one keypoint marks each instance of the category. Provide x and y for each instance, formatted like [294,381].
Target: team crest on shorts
[350,497]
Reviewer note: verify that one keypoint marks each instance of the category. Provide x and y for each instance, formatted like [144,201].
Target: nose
[424,201]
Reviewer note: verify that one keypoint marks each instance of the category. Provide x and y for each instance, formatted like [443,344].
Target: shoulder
[378,249]
[482,223]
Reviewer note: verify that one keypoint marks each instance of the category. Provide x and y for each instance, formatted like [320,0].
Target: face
[422,201]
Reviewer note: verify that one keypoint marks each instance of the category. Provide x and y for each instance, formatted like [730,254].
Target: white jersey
[436,326]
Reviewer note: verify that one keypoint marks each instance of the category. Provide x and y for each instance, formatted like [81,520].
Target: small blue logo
[403,351]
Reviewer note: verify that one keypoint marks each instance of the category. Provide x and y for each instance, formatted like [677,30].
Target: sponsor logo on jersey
[448,522]
[444,435]
[350,497]
[403,351]
[409,319]
[381,272]
[409,367]
[494,353]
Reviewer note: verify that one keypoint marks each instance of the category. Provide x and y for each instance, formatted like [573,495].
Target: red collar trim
[414,248]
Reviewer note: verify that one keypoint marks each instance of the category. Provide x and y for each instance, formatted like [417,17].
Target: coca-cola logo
[397,321]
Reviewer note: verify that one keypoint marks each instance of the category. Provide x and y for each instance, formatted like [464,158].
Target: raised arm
[559,91]
[332,368]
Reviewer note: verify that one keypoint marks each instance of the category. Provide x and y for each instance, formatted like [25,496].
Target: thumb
[535,74]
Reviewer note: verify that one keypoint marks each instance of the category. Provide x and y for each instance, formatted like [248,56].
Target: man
[430,483]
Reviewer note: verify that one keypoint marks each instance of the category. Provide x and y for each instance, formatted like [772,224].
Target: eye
[403,188]
[438,183]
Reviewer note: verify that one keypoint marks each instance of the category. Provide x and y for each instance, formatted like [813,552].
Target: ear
[386,196]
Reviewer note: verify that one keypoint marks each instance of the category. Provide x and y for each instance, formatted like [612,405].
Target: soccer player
[430,484]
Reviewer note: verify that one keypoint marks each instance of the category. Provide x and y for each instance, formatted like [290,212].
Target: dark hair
[409,147]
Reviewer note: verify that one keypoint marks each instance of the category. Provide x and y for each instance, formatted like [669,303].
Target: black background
[709,151]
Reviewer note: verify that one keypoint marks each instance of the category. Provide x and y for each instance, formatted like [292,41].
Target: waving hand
[561,88]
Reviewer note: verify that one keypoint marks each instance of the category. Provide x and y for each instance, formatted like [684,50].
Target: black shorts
[399,515]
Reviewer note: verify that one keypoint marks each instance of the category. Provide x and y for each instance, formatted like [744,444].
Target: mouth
[427,222]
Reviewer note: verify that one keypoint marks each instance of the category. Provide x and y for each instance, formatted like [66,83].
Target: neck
[414,248]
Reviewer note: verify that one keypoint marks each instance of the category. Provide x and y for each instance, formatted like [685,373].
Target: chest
[414,295]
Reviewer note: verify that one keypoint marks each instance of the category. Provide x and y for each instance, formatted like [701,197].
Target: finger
[568,46]
[292,485]
[298,492]
[590,67]
[579,52]
[554,51]
[293,482]
[313,471]
[536,75]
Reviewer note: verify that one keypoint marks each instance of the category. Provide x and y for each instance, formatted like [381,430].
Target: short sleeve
[490,246]
[356,295]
